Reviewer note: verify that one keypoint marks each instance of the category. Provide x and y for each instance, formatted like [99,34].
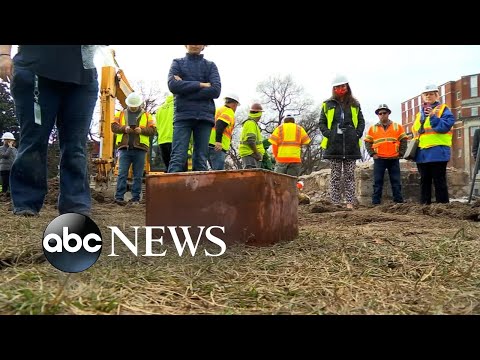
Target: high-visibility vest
[227,115]
[289,137]
[164,119]
[330,113]
[386,143]
[430,137]
[250,127]
[144,139]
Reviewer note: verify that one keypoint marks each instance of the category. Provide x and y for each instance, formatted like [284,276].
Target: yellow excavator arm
[114,85]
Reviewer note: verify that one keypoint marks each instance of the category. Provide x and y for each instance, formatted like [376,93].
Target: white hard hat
[339,80]
[8,136]
[232,96]
[430,88]
[134,100]
[288,116]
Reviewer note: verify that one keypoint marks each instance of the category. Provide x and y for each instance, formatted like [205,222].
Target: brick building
[462,97]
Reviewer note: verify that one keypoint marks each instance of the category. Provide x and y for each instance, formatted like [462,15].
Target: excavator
[115,86]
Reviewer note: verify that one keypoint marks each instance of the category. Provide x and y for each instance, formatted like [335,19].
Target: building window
[420,103]
[459,153]
[474,111]
[459,133]
[412,104]
[474,86]
[459,114]
[443,99]
[406,115]
[472,130]
[459,95]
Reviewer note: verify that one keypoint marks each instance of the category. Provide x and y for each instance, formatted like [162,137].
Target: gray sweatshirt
[7,156]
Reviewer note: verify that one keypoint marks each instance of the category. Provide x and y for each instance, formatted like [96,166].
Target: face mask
[340,91]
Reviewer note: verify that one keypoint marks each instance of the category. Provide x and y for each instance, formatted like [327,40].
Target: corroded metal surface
[256,207]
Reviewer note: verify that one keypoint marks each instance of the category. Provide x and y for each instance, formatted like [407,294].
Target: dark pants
[166,149]
[436,171]
[393,167]
[5,174]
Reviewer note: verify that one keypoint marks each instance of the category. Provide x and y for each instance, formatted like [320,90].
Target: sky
[377,74]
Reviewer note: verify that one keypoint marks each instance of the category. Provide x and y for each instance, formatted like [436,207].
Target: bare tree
[152,96]
[281,95]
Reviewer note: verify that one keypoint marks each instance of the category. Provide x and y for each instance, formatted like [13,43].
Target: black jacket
[345,145]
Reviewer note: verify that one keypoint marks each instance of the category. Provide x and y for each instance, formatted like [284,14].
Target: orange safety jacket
[386,143]
[287,140]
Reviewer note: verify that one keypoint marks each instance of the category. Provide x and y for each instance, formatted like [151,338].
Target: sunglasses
[382,113]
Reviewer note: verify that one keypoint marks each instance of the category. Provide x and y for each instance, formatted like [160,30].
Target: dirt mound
[54,189]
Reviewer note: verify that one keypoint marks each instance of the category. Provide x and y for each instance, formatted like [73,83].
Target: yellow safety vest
[250,127]
[330,113]
[430,137]
[144,139]
[289,137]
[227,115]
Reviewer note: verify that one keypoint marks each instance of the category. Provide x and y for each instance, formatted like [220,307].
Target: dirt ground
[389,259]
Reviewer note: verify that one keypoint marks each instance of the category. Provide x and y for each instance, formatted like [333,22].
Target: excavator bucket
[256,207]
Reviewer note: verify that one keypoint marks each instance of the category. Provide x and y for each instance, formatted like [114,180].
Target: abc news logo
[73,242]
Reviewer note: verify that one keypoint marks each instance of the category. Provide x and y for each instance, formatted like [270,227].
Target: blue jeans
[393,167]
[136,158]
[216,159]
[70,107]
[182,131]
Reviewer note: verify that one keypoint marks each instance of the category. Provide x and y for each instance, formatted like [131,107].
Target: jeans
[136,158]
[216,159]
[393,167]
[70,107]
[182,131]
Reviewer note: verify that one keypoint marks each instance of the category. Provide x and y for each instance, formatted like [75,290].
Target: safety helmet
[233,96]
[288,116]
[134,100]
[8,136]
[382,107]
[430,88]
[339,80]
[256,107]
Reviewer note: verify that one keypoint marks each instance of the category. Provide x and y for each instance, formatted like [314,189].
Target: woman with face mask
[342,125]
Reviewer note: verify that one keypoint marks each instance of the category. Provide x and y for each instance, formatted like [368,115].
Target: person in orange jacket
[287,140]
[386,143]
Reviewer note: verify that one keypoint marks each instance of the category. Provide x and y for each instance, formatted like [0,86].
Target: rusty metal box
[256,207]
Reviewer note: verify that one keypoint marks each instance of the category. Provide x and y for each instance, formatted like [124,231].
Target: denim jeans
[70,107]
[393,167]
[182,131]
[216,159]
[136,158]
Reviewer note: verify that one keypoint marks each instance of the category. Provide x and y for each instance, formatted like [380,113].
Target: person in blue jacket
[433,127]
[195,83]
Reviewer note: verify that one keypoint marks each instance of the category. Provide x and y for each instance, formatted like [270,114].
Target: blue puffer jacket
[191,101]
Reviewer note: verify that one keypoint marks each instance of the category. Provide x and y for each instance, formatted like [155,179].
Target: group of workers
[58,85]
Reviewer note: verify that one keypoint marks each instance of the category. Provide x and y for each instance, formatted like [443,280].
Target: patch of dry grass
[368,261]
